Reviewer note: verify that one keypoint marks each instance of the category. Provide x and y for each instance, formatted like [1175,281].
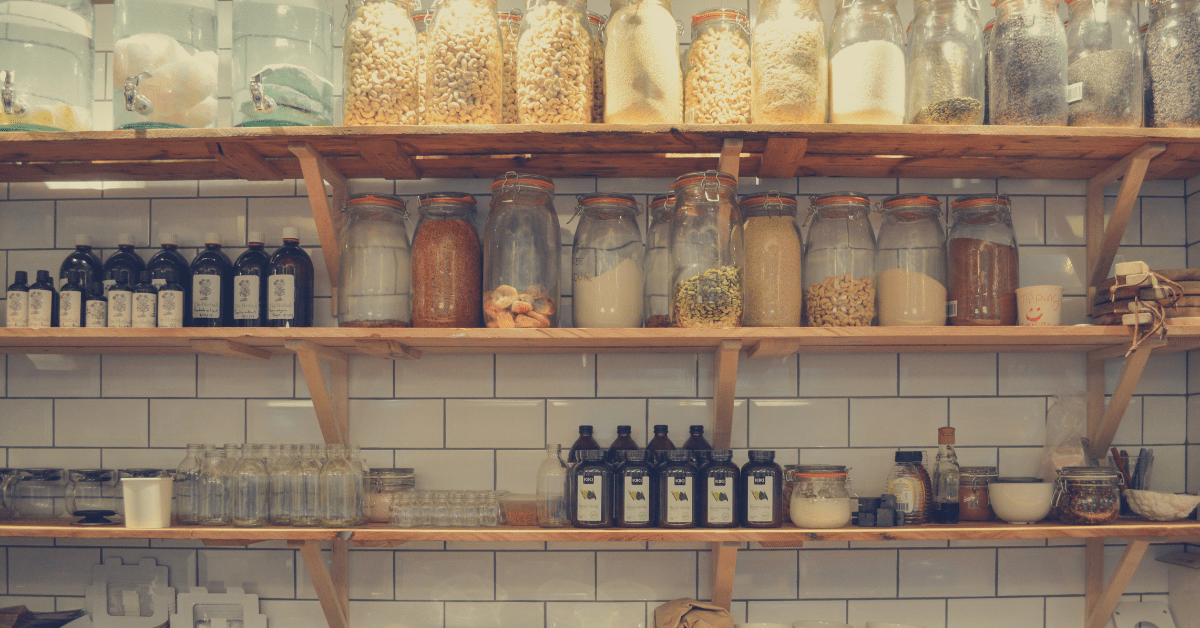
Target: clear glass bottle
[706,252]
[820,496]
[282,62]
[945,479]
[281,464]
[375,283]
[447,262]
[46,65]
[717,78]
[522,254]
[1104,64]
[187,486]
[489,513]
[657,286]
[341,485]
[839,262]
[510,31]
[381,64]
[911,262]
[214,490]
[595,25]
[773,259]
[789,63]
[643,80]
[1028,64]
[1173,63]
[607,271]
[945,63]
[558,92]
[306,489]
[905,482]
[421,20]
[464,82]
[251,487]
[866,63]
[982,264]
[552,490]
[441,511]
[361,499]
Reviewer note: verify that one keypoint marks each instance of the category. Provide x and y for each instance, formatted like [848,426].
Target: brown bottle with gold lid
[677,482]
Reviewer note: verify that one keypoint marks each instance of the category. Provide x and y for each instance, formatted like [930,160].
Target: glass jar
[522,257]
[466,64]
[657,296]
[789,484]
[554,63]
[553,501]
[187,486]
[283,62]
[839,262]
[866,63]
[387,487]
[214,489]
[340,487]
[1087,495]
[595,26]
[982,262]
[643,82]
[1173,63]
[706,252]
[907,481]
[421,20]
[374,286]
[165,64]
[773,254]
[381,64]
[91,489]
[945,63]
[789,64]
[46,65]
[510,31]
[973,501]
[911,262]
[1104,64]
[36,493]
[607,271]
[447,262]
[7,476]
[281,464]
[250,485]
[305,500]
[1028,64]
[716,82]
[821,496]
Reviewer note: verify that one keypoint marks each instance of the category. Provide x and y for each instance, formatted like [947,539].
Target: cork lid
[945,436]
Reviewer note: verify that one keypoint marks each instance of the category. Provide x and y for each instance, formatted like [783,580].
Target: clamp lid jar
[447,262]
[982,270]
[706,252]
[521,254]
[1087,495]
[821,496]
[374,289]
[607,262]
[911,262]
[774,250]
[973,501]
[657,291]
[839,262]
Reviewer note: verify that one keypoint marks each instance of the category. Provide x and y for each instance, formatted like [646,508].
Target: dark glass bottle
[212,285]
[82,259]
[70,301]
[696,441]
[18,301]
[172,299]
[592,491]
[718,499]
[761,503]
[97,306]
[636,498]
[677,481]
[623,443]
[585,442]
[250,285]
[43,301]
[290,293]
[945,479]
[660,443]
[145,302]
[120,302]
[125,258]
[167,258]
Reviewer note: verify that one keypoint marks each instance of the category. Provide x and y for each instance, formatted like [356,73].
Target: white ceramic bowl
[819,623]
[1157,506]
[1021,502]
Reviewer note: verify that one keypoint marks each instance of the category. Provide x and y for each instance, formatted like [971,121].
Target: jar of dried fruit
[706,252]
[982,267]
[521,253]
[657,291]
[773,254]
[606,262]
[911,262]
[716,82]
[447,262]
[374,286]
[839,262]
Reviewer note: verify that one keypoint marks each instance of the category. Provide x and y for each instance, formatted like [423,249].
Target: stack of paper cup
[1039,306]
[147,502]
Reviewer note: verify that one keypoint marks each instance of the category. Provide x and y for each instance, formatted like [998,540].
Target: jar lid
[623,203]
[446,197]
[901,202]
[43,474]
[518,179]
[720,455]
[819,470]
[1017,480]
[634,455]
[388,200]
[909,456]
[974,201]
[762,455]
[841,198]
[513,15]
[697,177]
[591,455]
[979,471]
[769,202]
[1088,473]
[737,15]
[421,16]
[394,471]
[596,18]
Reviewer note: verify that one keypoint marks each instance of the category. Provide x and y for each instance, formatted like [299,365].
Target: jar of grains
[821,496]
[510,30]
[643,82]
[973,501]
[45,84]
[911,262]
[385,487]
[1104,64]
[1028,64]
[374,282]
[382,64]
[657,291]
[447,262]
[945,63]
[1173,63]
[982,266]
[521,253]
[466,64]
[554,64]
[607,280]
[706,252]
[789,64]
[773,253]
[866,63]
[716,87]
[421,20]
[1087,495]
[839,262]
[283,62]
[595,25]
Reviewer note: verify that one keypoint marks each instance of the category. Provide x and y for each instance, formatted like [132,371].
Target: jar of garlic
[382,66]
[643,83]
[554,64]
[421,20]
[716,88]
[466,62]
[595,25]
[510,30]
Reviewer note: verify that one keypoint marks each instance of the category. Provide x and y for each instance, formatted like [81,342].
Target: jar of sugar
[910,262]
[866,63]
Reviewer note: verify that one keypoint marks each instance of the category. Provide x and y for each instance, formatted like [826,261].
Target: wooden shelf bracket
[1099,607]
[230,349]
[725,367]
[724,567]
[731,156]
[1103,422]
[333,590]
[326,212]
[330,400]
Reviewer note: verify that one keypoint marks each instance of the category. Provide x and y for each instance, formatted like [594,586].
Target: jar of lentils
[510,30]
[1104,64]
[447,262]
[596,24]
[706,252]
[1087,495]
[466,64]
[839,262]
[716,88]
[973,501]
[382,64]
[657,294]
[554,64]
[1173,63]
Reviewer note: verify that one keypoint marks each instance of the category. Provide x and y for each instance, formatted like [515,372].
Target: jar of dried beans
[911,262]
[382,64]
[1173,63]
[657,291]
[643,80]
[447,262]
[1028,64]
[839,262]
[510,29]
[554,64]
[789,64]
[595,25]
[974,504]
[374,283]
[706,252]
[982,265]
[773,253]
[716,87]
[1104,64]
[1087,495]
[421,20]
[945,63]
[606,263]
[466,64]
[866,63]
[521,254]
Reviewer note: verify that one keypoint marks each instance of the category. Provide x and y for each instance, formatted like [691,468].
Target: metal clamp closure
[135,101]
[772,201]
[262,102]
[712,190]
[11,106]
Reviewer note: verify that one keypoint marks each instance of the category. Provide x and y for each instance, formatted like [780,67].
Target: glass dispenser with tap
[282,62]
[46,65]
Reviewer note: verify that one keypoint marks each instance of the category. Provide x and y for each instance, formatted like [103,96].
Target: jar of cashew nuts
[522,254]
[466,64]
[716,83]
[382,64]
[554,64]
[510,31]
[421,20]
[839,262]
[596,24]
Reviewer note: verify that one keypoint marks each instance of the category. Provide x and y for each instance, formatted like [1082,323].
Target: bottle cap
[257,237]
[72,276]
[212,237]
[702,455]
[21,276]
[635,455]
[721,455]
[124,239]
[291,233]
[83,239]
[679,455]
[908,456]
[43,275]
[945,436]
[660,429]
[145,278]
[169,238]
[591,455]
[624,430]
[696,429]
[585,430]
[762,455]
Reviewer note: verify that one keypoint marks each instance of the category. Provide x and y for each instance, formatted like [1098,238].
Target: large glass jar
[945,63]
[510,31]
[447,262]
[466,64]
[1087,495]
[46,65]
[385,489]
[974,501]
[839,262]
[911,262]
[643,80]
[36,493]
[716,82]
[1104,64]
[91,489]
[382,64]
[421,20]
[522,254]
[165,64]
[1173,63]
[706,252]
[773,254]
[982,262]
[657,291]
[789,63]
[866,63]
[595,25]
[607,281]
[1028,64]
[820,496]
[283,62]
[374,285]
[554,64]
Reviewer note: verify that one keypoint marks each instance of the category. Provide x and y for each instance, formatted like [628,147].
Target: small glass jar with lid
[91,489]
[716,81]
[607,271]
[374,285]
[866,63]
[464,83]
[382,64]
[789,484]
[165,64]
[839,262]
[945,63]
[1028,64]
[657,297]
[774,291]
[283,62]
[820,496]
[510,31]
[36,493]
[1104,64]
[595,26]
[386,488]
[1087,495]
[982,262]
[1173,63]
[46,72]
[421,21]
[521,254]
[911,262]
[557,91]
[706,252]
[974,504]
[447,262]
[789,64]
[642,40]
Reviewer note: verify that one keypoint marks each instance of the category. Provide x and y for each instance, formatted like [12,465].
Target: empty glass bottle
[306,493]
[214,490]
[552,490]
[341,483]
[281,464]
[187,486]
[251,487]
[361,503]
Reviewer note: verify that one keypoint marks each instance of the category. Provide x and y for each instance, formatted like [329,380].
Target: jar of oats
[382,65]
[706,252]
[466,63]
[510,30]
[839,262]
[554,64]
[595,25]
[421,20]
[789,64]
[716,87]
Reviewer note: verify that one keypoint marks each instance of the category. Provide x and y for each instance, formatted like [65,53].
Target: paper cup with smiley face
[1039,306]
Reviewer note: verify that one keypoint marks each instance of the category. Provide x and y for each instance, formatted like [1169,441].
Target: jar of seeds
[1104,64]
[596,24]
[510,30]
[839,262]
[945,63]
[1173,63]
[1087,495]
[789,64]
[554,64]
[1028,64]
[657,292]
[706,252]
[522,254]
[466,64]
[716,87]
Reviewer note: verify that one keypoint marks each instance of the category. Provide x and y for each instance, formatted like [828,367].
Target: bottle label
[69,304]
[145,309]
[679,499]
[97,314]
[281,298]
[637,497]
[158,283]
[206,296]
[588,507]
[760,497]
[120,309]
[41,304]
[720,500]
[18,309]
[245,297]
[170,308]
[905,491]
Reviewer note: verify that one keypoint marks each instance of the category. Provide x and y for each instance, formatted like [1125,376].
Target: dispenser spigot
[262,102]
[12,106]
[135,101]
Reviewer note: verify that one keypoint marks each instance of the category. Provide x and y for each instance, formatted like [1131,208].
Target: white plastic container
[147,502]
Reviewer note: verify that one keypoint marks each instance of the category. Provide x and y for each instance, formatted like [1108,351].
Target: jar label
[760,498]
[1075,92]
[679,499]
[145,309]
[97,313]
[637,498]
[206,296]
[720,500]
[120,310]
[281,299]
[951,309]
[18,309]
[245,297]
[41,303]
[588,506]
[905,493]
[69,304]
[170,308]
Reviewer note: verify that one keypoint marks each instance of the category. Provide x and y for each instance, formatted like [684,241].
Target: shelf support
[388,349]
[1101,610]
[731,156]
[725,367]
[781,158]
[773,349]
[330,400]
[333,595]
[230,349]
[1104,422]
[326,213]
[724,567]
[244,161]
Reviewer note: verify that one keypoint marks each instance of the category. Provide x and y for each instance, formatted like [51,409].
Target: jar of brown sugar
[982,270]
[973,501]
[447,263]
[1087,495]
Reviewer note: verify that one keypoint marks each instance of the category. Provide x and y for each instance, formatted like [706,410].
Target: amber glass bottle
[635,497]
[677,481]
[762,491]
[660,443]
[623,443]
[591,491]
[717,499]
[583,443]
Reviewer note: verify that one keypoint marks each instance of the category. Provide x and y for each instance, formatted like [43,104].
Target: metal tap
[135,101]
[12,106]
[262,102]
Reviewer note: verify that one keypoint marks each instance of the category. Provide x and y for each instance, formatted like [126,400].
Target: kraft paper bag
[688,613]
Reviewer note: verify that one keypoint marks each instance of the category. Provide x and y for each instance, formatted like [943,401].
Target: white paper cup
[1039,306]
[147,502]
